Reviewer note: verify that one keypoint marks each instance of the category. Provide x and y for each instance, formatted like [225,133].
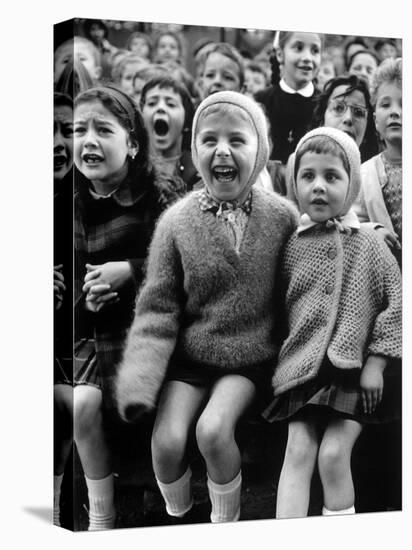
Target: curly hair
[390,71]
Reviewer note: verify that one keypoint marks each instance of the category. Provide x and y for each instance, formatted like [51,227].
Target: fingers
[109,297]
[371,399]
[95,290]
[90,275]
[57,275]
[59,286]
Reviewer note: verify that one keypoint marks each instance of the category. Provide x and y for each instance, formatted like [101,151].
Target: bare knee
[168,444]
[212,435]
[332,458]
[301,450]
[87,411]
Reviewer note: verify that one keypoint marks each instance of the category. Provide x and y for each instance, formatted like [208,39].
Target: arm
[152,336]
[371,382]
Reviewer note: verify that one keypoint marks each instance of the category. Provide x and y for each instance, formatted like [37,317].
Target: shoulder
[272,201]
[371,165]
[370,245]
[180,211]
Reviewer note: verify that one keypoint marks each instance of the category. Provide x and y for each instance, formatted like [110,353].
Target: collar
[342,223]
[306,91]
[125,195]
[207,202]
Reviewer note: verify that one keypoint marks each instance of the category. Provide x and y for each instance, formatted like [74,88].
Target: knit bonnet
[350,150]
[256,117]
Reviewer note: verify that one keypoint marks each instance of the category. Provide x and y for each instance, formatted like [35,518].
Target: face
[300,59]
[387,50]
[167,49]
[136,93]
[96,33]
[140,47]
[63,141]
[347,113]
[220,73]
[388,112]
[254,81]
[326,72]
[101,144]
[129,70]
[84,55]
[364,66]
[227,145]
[164,117]
[322,185]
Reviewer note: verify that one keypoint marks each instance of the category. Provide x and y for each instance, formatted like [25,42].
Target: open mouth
[305,68]
[91,158]
[160,127]
[224,174]
[59,161]
[319,202]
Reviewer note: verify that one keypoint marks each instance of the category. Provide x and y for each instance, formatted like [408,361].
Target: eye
[359,112]
[68,131]
[339,107]
[79,130]
[306,176]
[331,177]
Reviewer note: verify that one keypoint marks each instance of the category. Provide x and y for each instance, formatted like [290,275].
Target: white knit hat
[256,116]
[351,151]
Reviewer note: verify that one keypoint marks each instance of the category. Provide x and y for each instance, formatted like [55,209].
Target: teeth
[224,174]
[91,159]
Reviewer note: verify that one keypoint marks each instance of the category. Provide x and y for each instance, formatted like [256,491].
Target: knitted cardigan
[201,300]
[343,299]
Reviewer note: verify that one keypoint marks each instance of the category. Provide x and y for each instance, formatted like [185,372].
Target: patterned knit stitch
[201,300]
[392,194]
[343,299]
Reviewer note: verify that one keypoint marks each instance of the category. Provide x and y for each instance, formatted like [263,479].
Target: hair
[150,71]
[179,41]
[358,52]
[226,49]
[119,66]
[62,100]
[225,108]
[321,145]
[256,68]
[355,40]
[167,81]
[142,35]
[74,79]
[87,25]
[369,145]
[389,71]
[80,40]
[139,166]
[382,41]
[281,39]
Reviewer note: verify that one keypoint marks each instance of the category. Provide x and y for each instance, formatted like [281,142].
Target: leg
[94,455]
[63,439]
[335,464]
[179,407]
[215,432]
[297,470]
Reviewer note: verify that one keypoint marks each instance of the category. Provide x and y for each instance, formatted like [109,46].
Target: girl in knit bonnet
[202,342]
[342,291]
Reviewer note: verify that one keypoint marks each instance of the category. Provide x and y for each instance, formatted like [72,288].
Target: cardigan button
[329,288]
[332,253]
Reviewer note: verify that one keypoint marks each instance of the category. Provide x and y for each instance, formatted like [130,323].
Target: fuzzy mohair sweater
[201,300]
[343,300]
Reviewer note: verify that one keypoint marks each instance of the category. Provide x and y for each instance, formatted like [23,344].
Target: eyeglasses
[339,108]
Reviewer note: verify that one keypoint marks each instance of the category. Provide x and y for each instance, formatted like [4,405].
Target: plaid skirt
[337,390]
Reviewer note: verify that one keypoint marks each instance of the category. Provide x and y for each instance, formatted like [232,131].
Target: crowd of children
[199,290]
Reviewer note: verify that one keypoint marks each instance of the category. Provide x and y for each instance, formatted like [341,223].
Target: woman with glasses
[345,104]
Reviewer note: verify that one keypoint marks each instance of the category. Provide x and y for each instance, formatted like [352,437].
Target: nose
[396,110]
[90,138]
[222,149]
[58,143]
[319,185]
[347,117]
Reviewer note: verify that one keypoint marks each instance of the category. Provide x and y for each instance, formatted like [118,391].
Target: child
[84,50]
[204,320]
[380,199]
[140,44]
[326,71]
[363,63]
[116,204]
[124,69]
[167,111]
[97,32]
[63,306]
[168,46]
[289,101]
[386,47]
[255,78]
[342,291]
[222,69]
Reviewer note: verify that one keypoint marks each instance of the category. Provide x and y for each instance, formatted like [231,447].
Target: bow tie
[207,202]
[342,224]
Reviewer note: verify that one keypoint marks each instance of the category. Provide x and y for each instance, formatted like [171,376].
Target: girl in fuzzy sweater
[343,305]
[204,319]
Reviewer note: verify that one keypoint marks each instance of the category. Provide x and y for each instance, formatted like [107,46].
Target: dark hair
[226,49]
[62,100]
[140,166]
[321,145]
[355,40]
[282,38]
[369,145]
[167,81]
[87,25]
[358,52]
[75,78]
[382,41]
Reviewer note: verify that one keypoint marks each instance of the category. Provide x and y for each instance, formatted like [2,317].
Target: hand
[389,237]
[115,274]
[99,296]
[371,383]
[58,285]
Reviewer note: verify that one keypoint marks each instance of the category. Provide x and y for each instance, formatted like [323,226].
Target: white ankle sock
[344,512]
[57,484]
[225,499]
[177,495]
[102,513]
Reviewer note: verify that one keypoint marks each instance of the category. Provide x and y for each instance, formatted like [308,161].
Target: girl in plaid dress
[117,200]
[342,291]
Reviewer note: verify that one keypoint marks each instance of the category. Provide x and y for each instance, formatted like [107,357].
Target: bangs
[321,145]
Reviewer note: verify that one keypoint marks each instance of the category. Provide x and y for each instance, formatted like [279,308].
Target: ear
[133,147]
[279,55]
[97,72]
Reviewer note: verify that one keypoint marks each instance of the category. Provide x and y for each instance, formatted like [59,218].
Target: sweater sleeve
[152,335]
[386,337]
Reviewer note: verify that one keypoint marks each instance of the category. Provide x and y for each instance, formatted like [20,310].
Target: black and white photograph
[225,330]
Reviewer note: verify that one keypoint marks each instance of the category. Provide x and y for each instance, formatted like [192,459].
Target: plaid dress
[114,228]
